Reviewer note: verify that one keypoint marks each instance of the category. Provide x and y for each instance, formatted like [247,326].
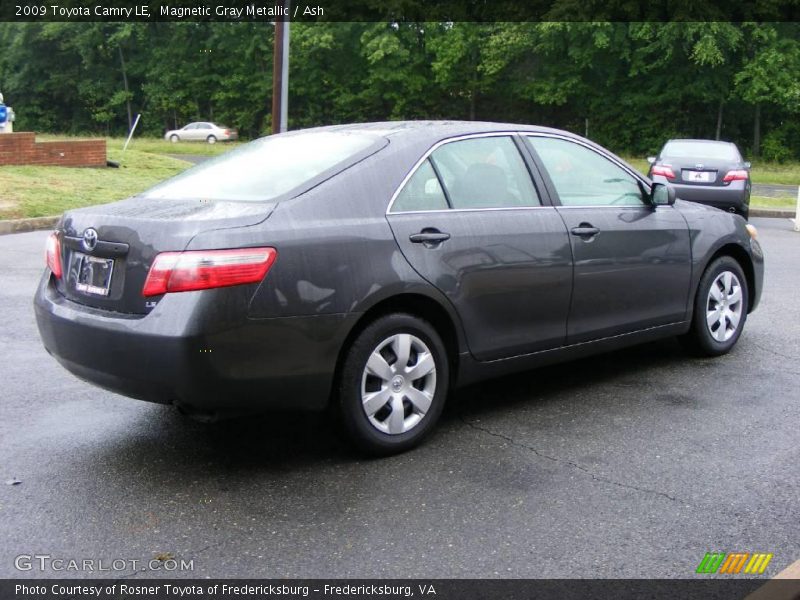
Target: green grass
[155,145]
[29,191]
[33,191]
[161,146]
[764,202]
[786,173]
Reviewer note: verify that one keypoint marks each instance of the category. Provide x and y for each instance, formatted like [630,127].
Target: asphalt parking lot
[633,464]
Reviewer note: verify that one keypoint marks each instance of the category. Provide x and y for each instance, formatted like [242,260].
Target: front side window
[421,192]
[582,177]
[266,168]
[485,172]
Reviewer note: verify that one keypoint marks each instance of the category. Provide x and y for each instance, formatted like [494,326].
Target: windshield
[687,149]
[266,168]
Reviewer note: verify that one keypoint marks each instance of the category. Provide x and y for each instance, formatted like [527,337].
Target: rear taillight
[738,175]
[53,255]
[204,269]
[664,171]
[227,132]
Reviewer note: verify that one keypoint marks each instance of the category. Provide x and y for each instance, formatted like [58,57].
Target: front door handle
[585,230]
[429,236]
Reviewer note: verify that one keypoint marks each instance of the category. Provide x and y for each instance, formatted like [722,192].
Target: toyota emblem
[89,239]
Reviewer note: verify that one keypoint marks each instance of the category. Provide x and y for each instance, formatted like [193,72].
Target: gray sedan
[372,268]
[202,132]
[705,171]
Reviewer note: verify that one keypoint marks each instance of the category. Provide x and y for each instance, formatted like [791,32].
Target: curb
[22,225]
[776,213]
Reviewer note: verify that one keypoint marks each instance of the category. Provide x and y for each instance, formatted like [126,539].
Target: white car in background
[202,131]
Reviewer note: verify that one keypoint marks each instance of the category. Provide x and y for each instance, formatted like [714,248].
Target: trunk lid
[701,172]
[106,268]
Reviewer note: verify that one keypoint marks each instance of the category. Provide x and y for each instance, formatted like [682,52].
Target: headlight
[752,231]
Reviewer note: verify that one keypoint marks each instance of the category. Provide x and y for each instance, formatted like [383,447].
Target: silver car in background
[202,131]
[705,171]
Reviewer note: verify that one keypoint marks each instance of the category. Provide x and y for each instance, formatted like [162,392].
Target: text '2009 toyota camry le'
[372,268]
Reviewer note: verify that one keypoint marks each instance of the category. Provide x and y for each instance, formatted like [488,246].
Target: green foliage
[637,84]
[35,191]
[774,149]
[782,144]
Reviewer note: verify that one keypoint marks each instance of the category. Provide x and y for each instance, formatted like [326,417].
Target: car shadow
[552,383]
[285,441]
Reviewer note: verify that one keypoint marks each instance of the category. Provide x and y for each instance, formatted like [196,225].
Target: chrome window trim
[431,150]
[615,206]
[457,210]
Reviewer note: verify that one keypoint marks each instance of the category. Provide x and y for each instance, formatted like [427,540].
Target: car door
[632,260]
[204,130]
[470,221]
[190,132]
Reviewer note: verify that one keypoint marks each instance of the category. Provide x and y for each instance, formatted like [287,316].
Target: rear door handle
[429,236]
[585,230]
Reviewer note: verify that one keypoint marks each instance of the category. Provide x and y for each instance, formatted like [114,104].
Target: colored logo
[734,563]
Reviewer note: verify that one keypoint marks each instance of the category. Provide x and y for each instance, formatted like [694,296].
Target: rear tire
[393,384]
[211,139]
[720,309]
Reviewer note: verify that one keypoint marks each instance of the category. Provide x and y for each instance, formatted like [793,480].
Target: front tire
[720,309]
[174,138]
[393,384]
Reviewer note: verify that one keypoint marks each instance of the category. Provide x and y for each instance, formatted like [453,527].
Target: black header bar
[400,10]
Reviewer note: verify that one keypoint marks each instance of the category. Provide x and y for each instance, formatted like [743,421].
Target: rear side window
[486,172]
[421,192]
[267,168]
[582,177]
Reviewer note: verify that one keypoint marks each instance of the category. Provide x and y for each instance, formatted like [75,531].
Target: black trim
[534,170]
[429,160]
[102,248]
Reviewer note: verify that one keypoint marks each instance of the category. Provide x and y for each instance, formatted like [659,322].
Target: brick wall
[23,149]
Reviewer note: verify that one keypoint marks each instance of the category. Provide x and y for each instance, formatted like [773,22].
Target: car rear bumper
[734,197]
[251,364]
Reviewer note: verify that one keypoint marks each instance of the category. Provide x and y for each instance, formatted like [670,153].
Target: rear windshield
[266,168]
[685,149]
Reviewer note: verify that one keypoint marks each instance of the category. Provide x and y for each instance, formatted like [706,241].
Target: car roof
[415,131]
[701,141]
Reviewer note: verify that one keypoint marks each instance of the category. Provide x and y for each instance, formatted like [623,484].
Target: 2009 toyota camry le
[372,268]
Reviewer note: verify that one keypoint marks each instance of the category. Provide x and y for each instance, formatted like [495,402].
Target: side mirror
[651,159]
[747,165]
[662,194]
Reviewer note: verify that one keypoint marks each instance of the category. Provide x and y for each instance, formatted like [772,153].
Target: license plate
[93,274]
[700,176]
